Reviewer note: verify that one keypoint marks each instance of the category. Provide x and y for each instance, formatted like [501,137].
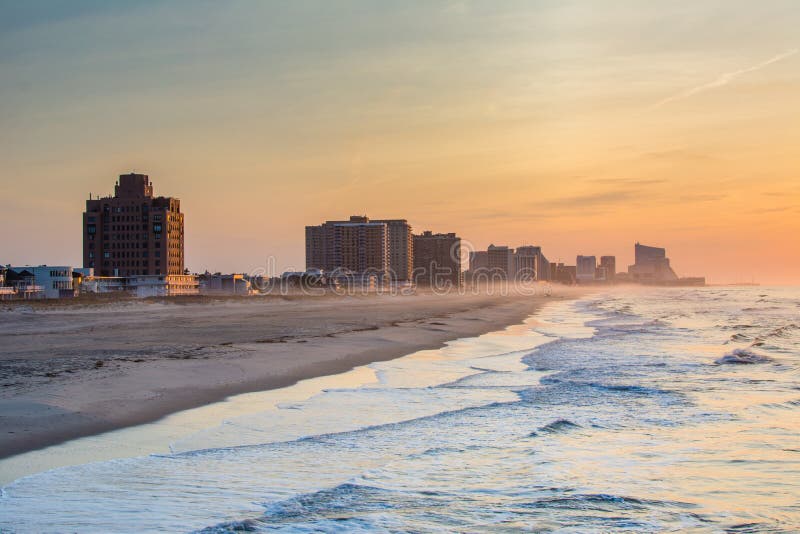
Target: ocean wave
[605,502]
[735,338]
[742,357]
[783,331]
[556,427]
[621,388]
[246,525]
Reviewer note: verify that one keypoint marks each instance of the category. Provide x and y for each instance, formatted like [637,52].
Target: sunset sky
[582,127]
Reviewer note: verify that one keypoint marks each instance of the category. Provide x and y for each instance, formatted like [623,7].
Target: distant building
[401,248]
[530,264]
[652,266]
[586,269]
[478,259]
[104,284]
[525,266]
[563,274]
[23,283]
[163,285]
[361,247]
[609,266]
[526,263]
[133,233]
[384,248]
[6,292]
[54,281]
[500,260]
[224,284]
[437,259]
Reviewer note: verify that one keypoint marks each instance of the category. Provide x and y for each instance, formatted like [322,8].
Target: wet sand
[73,371]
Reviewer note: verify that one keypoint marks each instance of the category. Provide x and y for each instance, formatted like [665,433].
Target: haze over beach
[349,266]
[577,125]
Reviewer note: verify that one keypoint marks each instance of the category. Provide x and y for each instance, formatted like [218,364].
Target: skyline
[545,124]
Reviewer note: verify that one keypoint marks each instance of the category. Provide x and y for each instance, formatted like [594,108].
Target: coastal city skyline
[409,266]
[125,250]
[133,244]
[495,120]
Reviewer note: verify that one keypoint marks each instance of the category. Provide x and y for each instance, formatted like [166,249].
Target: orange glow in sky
[578,128]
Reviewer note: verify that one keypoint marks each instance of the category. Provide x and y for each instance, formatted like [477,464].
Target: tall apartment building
[362,245]
[530,264]
[652,265]
[586,268]
[437,259]
[500,260]
[478,260]
[609,266]
[526,263]
[133,233]
[401,248]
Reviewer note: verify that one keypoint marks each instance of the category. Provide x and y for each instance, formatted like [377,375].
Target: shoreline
[225,354]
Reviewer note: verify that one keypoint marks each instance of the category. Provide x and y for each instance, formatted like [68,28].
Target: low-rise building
[54,281]
[23,285]
[6,292]
[563,274]
[224,284]
[104,284]
[163,285]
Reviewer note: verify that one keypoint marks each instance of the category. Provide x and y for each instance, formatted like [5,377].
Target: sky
[582,127]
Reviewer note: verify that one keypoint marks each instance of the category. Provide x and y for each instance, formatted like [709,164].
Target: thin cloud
[628,181]
[601,199]
[725,79]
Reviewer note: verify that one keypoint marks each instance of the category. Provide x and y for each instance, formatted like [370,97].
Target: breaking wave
[742,357]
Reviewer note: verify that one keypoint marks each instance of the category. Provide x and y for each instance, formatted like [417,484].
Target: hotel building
[609,266]
[133,233]
[652,265]
[437,259]
[586,268]
[384,248]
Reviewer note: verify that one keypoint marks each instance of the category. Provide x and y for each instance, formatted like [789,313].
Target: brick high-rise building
[133,233]
[360,244]
[437,259]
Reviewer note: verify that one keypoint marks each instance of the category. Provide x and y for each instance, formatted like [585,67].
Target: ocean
[634,410]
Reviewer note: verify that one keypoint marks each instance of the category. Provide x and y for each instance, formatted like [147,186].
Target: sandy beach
[72,371]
